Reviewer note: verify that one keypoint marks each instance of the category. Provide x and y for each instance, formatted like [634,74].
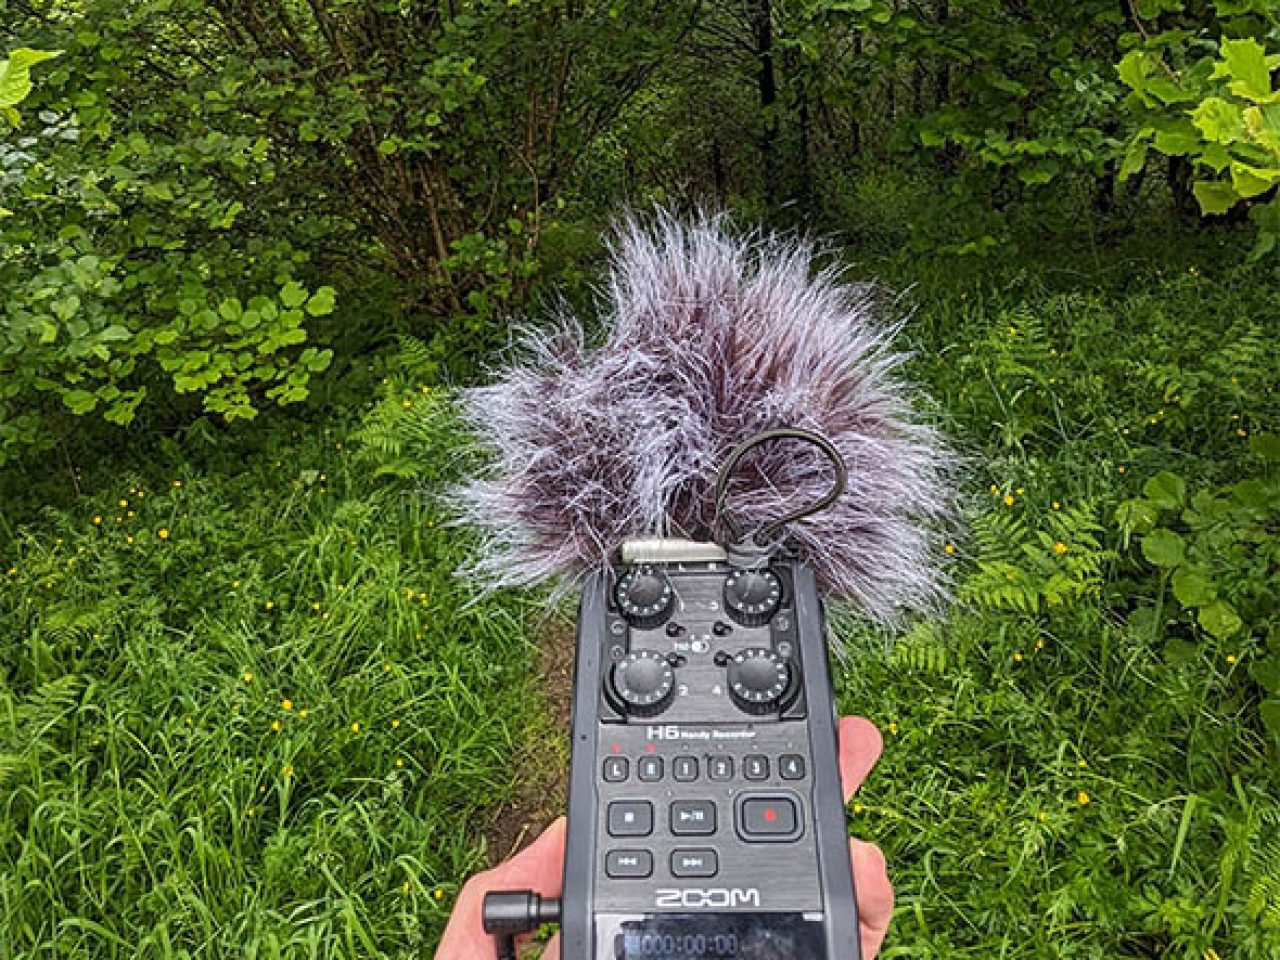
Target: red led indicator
[771,815]
[650,748]
[617,748]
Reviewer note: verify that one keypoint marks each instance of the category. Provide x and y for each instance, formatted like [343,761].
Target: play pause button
[628,864]
[693,817]
[694,863]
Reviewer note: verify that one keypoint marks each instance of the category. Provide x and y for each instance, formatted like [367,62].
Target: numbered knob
[752,596]
[643,681]
[644,596]
[758,680]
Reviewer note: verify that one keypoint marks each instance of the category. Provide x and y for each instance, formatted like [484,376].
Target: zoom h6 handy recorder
[706,819]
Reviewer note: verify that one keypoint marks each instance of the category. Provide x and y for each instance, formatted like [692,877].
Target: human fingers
[539,867]
[875,895]
[860,746]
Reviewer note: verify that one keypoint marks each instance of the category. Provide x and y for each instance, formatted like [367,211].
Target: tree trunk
[767,82]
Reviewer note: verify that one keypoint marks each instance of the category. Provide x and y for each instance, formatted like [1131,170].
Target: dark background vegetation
[249,247]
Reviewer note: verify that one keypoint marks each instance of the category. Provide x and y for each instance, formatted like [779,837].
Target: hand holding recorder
[540,867]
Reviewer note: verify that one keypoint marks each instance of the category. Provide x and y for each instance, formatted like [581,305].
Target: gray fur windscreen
[711,338]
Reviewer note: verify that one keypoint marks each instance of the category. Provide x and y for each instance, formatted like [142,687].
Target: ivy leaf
[1220,619]
[1166,490]
[1164,548]
[1215,196]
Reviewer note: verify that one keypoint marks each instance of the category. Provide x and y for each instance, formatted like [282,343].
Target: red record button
[768,818]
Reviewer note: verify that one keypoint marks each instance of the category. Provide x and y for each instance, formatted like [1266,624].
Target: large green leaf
[1220,619]
[1166,490]
[1219,120]
[1164,548]
[1246,62]
[15,74]
[1215,196]
[1192,588]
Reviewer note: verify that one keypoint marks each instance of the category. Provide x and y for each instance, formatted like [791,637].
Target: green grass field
[246,709]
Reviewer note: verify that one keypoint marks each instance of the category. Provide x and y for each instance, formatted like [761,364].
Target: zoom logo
[694,897]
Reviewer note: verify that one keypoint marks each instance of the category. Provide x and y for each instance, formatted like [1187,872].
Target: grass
[284,728]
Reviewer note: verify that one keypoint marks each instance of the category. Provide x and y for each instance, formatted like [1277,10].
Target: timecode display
[720,937]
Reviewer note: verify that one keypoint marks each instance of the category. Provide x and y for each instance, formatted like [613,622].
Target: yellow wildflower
[1017,657]
[1231,659]
[399,762]
[1082,798]
[437,894]
[1008,500]
[248,677]
[355,727]
[950,548]
[287,772]
[97,521]
[177,483]
[893,728]
[123,504]
[163,533]
[286,704]
[1059,548]
[1121,468]
[277,726]
[395,724]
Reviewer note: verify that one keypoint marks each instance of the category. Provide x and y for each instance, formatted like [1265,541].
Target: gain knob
[752,596]
[643,681]
[644,596]
[758,680]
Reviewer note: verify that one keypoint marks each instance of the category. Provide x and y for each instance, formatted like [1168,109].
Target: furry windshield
[712,337]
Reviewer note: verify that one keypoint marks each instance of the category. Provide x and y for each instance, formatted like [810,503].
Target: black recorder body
[706,820]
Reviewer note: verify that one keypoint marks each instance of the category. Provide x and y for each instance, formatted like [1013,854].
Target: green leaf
[1251,181]
[321,303]
[292,294]
[1219,120]
[80,401]
[1266,446]
[15,76]
[1166,490]
[1137,516]
[1247,63]
[1180,652]
[1191,588]
[1269,710]
[1134,69]
[1266,673]
[115,333]
[1215,196]
[1164,548]
[1135,157]
[1220,619]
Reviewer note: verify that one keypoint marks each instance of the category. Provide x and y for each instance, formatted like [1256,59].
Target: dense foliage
[246,247]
